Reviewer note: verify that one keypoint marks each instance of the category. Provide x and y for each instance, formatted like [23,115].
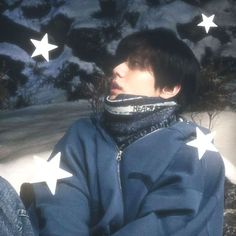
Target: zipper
[120,152]
[118,159]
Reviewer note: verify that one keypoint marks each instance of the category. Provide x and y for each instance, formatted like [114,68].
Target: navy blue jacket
[157,186]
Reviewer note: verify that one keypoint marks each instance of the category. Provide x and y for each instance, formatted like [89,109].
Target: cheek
[145,82]
[139,83]
[136,83]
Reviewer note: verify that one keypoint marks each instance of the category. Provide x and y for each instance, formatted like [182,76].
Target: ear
[170,92]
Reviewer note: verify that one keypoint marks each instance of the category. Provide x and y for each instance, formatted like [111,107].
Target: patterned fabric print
[129,117]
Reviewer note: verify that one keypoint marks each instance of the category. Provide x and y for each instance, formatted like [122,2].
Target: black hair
[170,59]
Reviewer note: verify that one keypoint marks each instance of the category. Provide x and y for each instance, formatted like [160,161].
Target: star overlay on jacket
[91,202]
[203,142]
[50,172]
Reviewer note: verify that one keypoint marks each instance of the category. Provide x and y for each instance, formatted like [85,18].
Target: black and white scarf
[130,117]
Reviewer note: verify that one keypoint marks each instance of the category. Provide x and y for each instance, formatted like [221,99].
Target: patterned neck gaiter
[130,117]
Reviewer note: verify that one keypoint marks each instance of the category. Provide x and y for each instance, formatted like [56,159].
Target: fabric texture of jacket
[157,186]
[14,220]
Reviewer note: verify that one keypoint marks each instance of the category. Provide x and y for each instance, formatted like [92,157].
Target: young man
[133,172]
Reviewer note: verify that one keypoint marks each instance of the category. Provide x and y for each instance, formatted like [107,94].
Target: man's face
[132,81]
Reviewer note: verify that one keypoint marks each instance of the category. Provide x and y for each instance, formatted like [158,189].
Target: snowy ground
[35,130]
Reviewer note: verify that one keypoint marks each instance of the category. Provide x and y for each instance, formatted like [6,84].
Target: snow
[15,53]
[165,15]
[78,9]
[74,83]
[86,23]
[139,6]
[224,12]
[80,12]
[16,15]
[200,47]
[229,50]
[31,3]
[49,94]
[231,88]
[53,68]
[39,88]
[35,130]
[111,47]
[11,2]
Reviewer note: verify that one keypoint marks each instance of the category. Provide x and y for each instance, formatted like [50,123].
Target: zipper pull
[118,157]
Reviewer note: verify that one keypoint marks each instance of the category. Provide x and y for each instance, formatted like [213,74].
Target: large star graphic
[203,142]
[50,172]
[42,47]
[207,22]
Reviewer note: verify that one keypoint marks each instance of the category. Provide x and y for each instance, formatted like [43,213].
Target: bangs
[137,56]
[138,61]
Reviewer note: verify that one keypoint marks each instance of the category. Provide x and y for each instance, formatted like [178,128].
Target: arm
[68,211]
[187,200]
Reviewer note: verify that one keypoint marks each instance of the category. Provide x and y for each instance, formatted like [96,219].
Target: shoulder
[85,123]
[75,143]
[82,127]
[79,134]
[186,170]
[198,159]
[189,132]
[187,129]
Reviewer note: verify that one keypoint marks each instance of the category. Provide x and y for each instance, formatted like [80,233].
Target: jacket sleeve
[186,200]
[68,211]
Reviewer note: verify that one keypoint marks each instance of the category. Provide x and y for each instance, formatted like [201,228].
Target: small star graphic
[207,22]
[42,47]
[203,142]
[50,172]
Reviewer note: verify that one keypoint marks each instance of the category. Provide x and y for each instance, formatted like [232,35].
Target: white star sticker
[207,22]
[50,172]
[203,143]
[42,47]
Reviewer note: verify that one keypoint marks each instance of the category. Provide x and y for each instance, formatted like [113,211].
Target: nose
[120,70]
